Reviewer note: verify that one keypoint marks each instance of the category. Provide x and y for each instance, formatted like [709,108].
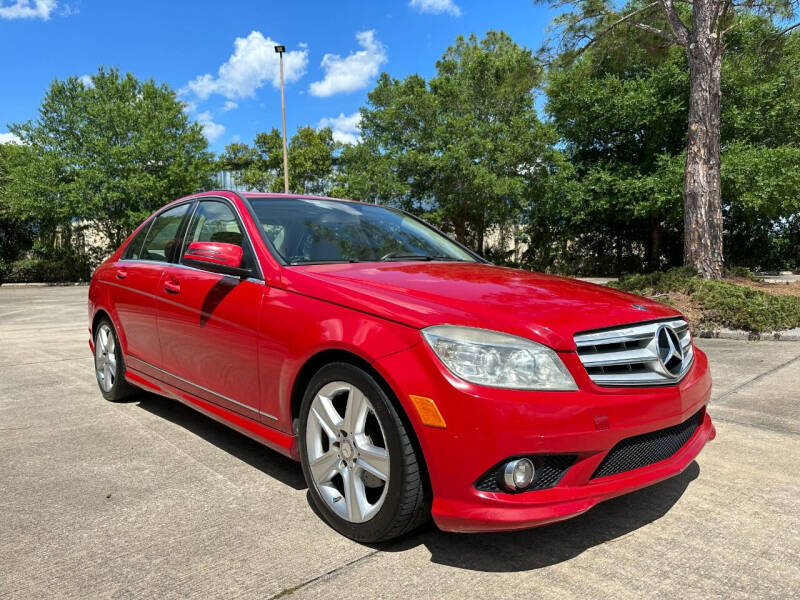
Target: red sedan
[409,377]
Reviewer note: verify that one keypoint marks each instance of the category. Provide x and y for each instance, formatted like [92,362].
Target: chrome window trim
[205,389]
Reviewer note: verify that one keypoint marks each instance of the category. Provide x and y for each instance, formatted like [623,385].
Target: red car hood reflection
[545,308]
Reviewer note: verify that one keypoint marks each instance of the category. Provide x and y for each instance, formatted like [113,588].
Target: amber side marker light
[428,412]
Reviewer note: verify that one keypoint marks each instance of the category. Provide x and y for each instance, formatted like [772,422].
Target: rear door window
[134,249]
[163,242]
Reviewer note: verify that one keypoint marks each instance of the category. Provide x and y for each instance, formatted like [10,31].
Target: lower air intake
[649,448]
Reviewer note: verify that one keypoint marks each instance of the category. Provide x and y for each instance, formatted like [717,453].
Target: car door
[208,322]
[136,278]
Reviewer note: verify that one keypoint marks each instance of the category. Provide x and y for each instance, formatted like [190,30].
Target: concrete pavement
[150,499]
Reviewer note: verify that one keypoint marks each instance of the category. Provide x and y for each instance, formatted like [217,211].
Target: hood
[545,308]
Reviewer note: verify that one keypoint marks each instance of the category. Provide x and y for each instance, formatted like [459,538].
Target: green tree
[106,154]
[465,148]
[364,173]
[260,167]
[620,110]
[16,234]
[251,169]
[701,28]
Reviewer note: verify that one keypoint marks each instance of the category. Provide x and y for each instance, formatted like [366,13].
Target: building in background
[226,180]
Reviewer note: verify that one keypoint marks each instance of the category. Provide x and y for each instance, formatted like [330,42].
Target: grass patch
[719,303]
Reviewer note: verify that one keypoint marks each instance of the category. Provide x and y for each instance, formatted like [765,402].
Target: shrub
[742,272]
[658,282]
[47,270]
[722,302]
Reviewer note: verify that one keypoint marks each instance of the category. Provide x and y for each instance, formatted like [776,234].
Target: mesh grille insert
[549,471]
[648,448]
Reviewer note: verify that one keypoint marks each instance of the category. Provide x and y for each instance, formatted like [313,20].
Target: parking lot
[150,499]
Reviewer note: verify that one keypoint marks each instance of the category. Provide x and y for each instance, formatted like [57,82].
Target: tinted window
[134,248]
[215,221]
[162,241]
[309,230]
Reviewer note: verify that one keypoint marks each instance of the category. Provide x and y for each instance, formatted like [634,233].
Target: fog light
[518,474]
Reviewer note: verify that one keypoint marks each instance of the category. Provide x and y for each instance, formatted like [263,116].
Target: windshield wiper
[422,257]
[324,261]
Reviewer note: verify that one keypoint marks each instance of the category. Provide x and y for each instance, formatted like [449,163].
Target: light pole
[280,50]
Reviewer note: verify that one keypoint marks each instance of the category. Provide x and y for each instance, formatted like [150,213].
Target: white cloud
[253,63]
[68,11]
[211,129]
[436,7]
[86,80]
[345,127]
[229,105]
[26,9]
[353,72]
[9,138]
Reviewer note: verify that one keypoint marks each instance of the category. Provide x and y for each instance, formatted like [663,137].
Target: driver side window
[215,221]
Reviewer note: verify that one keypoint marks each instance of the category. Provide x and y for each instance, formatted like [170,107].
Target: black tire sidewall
[383,521]
[119,389]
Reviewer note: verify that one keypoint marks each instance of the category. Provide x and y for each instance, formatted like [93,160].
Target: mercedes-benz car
[411,378]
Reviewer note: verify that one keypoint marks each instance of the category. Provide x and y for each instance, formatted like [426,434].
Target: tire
[109,363]
[351,465]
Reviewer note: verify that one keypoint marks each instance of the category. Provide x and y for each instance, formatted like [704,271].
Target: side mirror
[216,257]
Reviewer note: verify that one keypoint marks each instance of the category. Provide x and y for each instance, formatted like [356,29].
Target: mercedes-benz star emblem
[670,351]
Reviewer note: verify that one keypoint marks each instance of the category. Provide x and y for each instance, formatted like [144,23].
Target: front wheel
[358,460]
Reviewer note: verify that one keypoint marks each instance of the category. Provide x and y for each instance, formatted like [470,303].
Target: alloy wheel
[105,358]
[347,452]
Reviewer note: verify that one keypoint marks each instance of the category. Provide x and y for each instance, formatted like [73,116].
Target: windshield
[306,230]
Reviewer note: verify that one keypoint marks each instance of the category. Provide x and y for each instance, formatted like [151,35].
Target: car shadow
[552,544]
[256,455]
[486,552]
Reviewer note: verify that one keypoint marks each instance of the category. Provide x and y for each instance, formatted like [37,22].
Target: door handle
[122,273]
[172,286]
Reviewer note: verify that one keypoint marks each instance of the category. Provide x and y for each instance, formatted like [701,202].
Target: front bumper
[486,426]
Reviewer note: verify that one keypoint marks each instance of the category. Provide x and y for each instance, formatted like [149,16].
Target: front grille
[648,448]
[549,471]
[637,355]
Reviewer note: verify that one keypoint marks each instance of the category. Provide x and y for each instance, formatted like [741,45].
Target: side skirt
[272,438]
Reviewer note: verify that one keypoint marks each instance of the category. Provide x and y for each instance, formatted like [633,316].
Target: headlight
[498,359]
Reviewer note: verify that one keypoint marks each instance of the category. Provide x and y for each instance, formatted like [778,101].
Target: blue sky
[220,56]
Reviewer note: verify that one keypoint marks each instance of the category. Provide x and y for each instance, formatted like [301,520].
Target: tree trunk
[702,196]
[460,230]
[480,237]
[654,254]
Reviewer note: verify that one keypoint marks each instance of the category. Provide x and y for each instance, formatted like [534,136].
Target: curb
[789,335]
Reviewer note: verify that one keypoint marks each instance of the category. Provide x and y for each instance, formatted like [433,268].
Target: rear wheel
[359,463]
[109,364]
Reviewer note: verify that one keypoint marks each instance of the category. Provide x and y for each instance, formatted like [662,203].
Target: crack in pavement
[761,426]
[289,591]
[753,379]
[43,362]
